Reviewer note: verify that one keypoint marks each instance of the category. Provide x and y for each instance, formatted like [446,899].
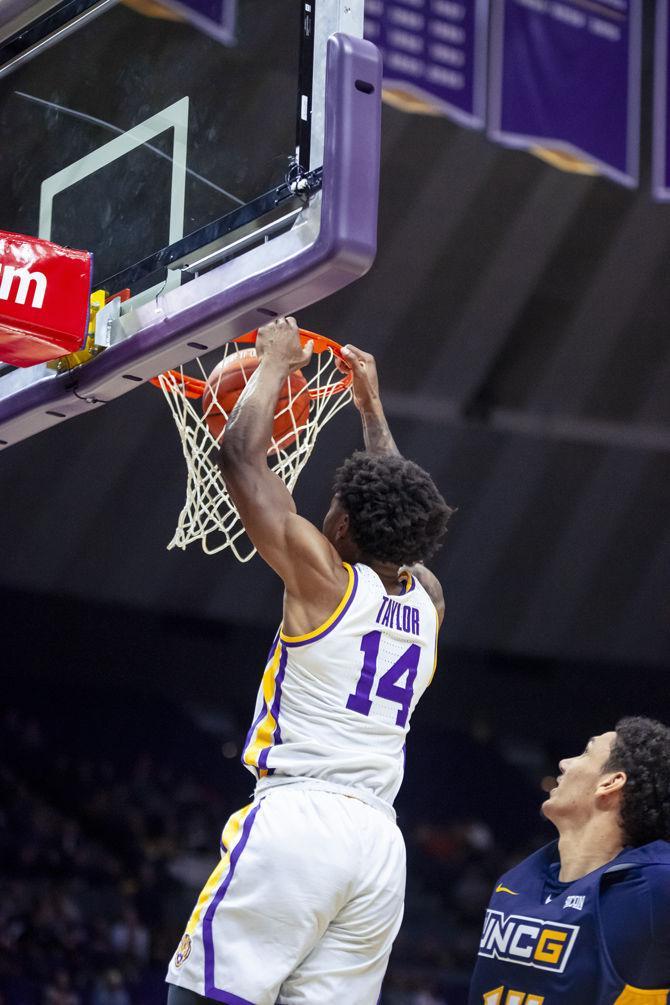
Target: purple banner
[217,18]
[435,52]
[661,165]
[566,75]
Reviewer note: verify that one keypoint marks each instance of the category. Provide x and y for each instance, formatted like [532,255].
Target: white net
[208,514]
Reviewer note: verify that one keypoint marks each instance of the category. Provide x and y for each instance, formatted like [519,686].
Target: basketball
[226,383]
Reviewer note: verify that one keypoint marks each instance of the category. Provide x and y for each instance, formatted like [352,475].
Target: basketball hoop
[208,515]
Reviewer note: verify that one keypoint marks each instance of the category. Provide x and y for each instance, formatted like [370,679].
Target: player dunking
[308,897]
[586,920]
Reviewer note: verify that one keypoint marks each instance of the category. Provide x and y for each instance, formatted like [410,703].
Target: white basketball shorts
[303,907]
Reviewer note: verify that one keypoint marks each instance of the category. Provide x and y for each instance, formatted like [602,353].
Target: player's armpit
[431,585]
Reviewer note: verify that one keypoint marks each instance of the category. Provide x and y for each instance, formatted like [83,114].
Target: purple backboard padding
[342,252]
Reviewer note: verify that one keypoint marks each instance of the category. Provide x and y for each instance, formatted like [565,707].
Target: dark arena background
[519,317]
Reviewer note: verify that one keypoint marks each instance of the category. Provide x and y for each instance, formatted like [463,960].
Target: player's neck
[587,846]
[388,573]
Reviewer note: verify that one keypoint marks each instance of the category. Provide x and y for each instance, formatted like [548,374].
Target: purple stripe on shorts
[274,711]
[227,998]
[207,934]
[308,642]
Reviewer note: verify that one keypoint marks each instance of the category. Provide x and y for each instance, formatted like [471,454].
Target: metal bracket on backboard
[106,327]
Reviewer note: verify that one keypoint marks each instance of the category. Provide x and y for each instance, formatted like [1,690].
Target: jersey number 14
[387,685]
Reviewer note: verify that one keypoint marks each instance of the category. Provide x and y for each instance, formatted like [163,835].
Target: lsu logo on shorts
[545,945]
[183,951]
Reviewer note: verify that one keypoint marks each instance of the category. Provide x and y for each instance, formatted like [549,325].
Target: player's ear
[611,784]
[342,526]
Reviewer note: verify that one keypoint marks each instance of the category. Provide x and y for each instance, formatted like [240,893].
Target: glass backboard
[134,132]
[221,183]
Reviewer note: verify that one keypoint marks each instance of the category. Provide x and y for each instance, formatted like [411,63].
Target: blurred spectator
[129,936]
[110,990]
[59,990]
[429,997]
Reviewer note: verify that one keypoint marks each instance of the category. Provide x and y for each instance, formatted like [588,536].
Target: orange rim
[194,387]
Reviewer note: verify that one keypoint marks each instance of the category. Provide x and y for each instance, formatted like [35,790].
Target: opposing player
[586,920]
[308,897]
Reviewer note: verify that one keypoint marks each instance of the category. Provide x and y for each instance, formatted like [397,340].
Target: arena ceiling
[519,317]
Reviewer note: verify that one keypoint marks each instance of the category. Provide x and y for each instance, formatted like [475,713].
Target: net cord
[208,515]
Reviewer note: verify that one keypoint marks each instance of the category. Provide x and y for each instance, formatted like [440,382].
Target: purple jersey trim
[211,991]
[274,711]
[252,729]
[264,708]
[321,635]
[272,648]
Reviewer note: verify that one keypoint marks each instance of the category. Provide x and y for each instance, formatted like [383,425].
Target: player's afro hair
[642,750]
[396,513]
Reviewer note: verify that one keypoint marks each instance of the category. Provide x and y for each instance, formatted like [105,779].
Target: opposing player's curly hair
[642,750]
[396,513]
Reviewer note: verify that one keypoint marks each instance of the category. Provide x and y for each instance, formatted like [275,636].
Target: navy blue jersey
[540,951]
[639,949]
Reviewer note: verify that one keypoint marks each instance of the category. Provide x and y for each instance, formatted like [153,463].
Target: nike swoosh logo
[506,889]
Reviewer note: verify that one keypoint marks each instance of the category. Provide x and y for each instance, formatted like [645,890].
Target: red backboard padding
[44,299]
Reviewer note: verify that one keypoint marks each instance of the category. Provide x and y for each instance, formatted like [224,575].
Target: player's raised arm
[378,439]
[292,546]
[376,432]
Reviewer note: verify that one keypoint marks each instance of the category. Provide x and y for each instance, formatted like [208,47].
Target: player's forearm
[376,433]
[431,585]
[249,429]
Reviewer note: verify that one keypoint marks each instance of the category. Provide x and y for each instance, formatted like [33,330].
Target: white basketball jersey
[335,704]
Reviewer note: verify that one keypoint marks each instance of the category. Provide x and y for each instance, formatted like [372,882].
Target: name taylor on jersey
[393,614]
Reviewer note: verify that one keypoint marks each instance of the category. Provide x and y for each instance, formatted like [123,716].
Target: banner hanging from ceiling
[434,55]
[565,75]
[661,159]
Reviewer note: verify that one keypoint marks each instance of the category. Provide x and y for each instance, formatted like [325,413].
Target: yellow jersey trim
[333,617]
[638,996]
